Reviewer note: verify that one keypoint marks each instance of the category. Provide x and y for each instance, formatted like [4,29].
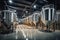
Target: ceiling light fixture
[10,1]
[34,6]
[26,11]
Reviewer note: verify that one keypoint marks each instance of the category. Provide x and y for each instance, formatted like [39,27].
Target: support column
[11,17]
[43,14]
[53,13]
[4,16]
[49,14]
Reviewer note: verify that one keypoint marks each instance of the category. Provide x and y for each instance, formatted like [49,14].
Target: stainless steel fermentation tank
[8,17]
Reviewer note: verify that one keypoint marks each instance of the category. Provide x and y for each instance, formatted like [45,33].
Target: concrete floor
[24,32]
